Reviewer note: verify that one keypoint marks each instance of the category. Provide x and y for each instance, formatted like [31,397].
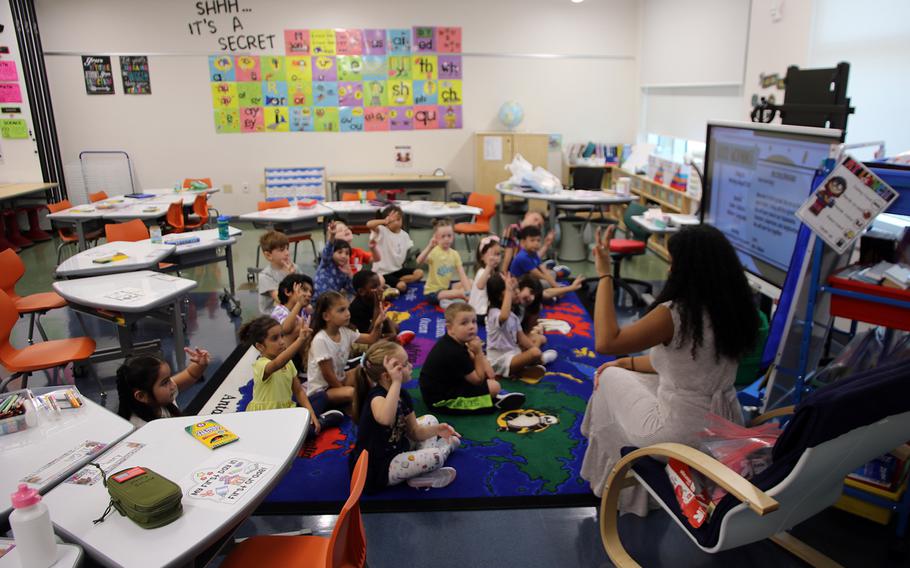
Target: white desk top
[268,438]
[352,207]
[652,226]
[436,209]
[568,196]
[381,178]
[127,292]
[140,255]
[11,190]
[208,239]
[682,220]
[182,193]
[68,556]
[115,208]
[62,439]
[286,214]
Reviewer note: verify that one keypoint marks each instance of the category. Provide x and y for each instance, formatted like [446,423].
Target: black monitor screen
[756,177]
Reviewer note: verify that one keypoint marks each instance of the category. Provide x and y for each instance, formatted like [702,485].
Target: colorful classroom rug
[527,458]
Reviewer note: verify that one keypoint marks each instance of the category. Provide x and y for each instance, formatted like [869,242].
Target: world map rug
[525,458]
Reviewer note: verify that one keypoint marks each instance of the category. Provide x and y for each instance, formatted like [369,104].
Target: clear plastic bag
[526,175]
[747,451]
[865,351]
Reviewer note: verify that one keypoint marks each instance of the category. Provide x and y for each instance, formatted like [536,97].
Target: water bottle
[223,232]
[155,234]
[32,529]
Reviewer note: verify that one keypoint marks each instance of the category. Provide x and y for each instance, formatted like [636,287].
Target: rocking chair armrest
[772,414]
[742,489]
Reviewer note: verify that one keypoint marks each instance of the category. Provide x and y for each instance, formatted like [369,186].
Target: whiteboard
[170,134]
[694,42]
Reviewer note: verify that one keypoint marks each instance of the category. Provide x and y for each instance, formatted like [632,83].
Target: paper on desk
[109,462]
[225,481]
[58,465]
[126,294]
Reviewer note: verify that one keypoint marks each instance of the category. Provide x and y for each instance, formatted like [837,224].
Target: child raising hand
[402,447]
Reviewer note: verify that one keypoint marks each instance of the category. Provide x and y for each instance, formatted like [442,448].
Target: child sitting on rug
[393,243]
[276,250]
[527,261]
[339,230]
[294,293]
[509,350]
[489,257]
[274,375]
[330,347]
[511,245]
[365,306]
[402,447]
[147,390]
[334,271]
[444,263]
[456,377]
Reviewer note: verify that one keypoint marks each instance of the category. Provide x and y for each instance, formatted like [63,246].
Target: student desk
[291,219]
[565,197]
[13,190]
[270,438]
[339,184]
[126,298]
[56,444]
[437,209]
[114,209]
[653,227]
[139,256]
[68,556]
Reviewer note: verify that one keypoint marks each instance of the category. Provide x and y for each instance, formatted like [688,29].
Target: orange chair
[97,196]
[201,211]
[174,217]
[481,224]
[188,182]
[41,356]
[346,547]
[67,235]
[294,238]
[35,305]
[358,229]
[133,230]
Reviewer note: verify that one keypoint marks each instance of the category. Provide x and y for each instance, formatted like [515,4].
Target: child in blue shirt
[334,271]
[527,261]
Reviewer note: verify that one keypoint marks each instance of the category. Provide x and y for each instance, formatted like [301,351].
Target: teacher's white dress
[639,409]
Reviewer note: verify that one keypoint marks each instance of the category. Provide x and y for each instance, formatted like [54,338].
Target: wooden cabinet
[489,172]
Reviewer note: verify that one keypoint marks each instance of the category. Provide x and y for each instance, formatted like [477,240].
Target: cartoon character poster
[845,203]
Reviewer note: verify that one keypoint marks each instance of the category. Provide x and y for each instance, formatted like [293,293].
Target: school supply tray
[14,411]
[870,303]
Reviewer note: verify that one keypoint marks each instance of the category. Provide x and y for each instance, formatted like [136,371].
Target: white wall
[693,56]
[170,134]
[20,159]
[873,36]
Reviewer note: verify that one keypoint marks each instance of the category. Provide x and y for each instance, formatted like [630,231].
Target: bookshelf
[669,199]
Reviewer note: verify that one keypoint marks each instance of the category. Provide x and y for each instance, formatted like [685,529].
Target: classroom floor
[528,537]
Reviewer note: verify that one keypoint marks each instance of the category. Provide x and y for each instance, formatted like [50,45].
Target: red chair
[200,213]
[13,232]
[621,249]
[481,224]
[41,356]
[67,235]
[295,238]
[97,196]
[174,217]
[346,547]
[35,305]
[133,230]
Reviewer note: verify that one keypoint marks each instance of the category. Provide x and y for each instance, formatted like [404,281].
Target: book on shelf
[897,276]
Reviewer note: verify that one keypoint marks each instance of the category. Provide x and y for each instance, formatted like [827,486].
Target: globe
[511,114]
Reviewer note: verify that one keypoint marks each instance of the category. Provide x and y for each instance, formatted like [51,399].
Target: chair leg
[315,255]
[803,551]
[31,329]
[258,248]
[40,328]
[295,251]
[8,380]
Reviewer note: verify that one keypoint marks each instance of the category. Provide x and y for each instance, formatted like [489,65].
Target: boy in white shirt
[275,249]
[393,244]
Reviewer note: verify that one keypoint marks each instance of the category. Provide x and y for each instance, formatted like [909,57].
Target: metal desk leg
[179,336]
[229,294]
[80,233]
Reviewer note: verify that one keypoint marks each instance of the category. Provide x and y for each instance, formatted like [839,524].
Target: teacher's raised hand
[602,260]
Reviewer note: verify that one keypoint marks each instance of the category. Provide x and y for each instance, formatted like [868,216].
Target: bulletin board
[343,80]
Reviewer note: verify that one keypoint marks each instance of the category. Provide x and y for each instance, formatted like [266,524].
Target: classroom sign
[343,80]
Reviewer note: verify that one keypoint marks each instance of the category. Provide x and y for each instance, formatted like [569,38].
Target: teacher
[698,328]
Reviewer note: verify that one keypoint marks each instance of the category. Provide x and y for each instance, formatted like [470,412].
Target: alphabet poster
[343,80]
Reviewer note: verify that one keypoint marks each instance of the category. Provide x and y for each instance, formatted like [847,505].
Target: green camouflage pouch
[147,498]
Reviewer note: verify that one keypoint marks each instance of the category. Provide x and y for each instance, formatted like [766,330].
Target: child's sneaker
[391,294]
[330,419]
[406,337]
[548,356]
[562,271]
[434,479]
[549,264]
[509,400]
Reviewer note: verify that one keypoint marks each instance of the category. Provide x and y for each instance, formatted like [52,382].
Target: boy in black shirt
[366,305]
[456,377]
